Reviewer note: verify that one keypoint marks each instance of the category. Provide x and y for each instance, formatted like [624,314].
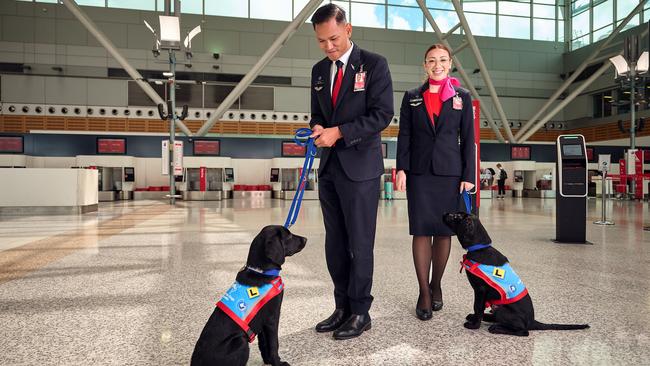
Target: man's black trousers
[350,215]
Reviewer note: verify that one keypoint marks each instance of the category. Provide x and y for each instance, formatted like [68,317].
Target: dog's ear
[274,250]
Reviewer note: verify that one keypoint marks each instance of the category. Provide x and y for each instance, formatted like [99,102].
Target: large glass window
[440,4]
[543,11]
[227,8]
[544,29]
[523,19]
[579,42]
[298,5]
[602,33]
[624,8]
[578,6]
[603,14]
[444,19]
[599,17]
[404,18]
[368,15]
[91,2]
[482,24]
[514,27]
[513,8]
[273,10]
[489,7]
[580,25]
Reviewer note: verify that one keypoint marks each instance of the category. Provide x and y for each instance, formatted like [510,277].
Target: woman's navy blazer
[448,149]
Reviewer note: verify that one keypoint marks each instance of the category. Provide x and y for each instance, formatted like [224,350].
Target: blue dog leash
[468,207]
[302,139]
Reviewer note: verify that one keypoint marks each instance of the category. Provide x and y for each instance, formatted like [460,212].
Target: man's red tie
[338,80]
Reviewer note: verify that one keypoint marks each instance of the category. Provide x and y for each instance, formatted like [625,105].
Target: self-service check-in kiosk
[285,179]
[203,184]
[115,183]
[571,202]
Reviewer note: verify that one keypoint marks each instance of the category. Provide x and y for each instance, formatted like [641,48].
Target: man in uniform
[351,103]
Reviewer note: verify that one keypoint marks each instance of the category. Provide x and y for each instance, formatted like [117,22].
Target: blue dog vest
[241,302]
[503,279]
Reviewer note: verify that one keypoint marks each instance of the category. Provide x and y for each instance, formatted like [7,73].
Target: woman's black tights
[430,259]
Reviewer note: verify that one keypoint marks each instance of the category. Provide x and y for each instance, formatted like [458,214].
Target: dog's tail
[535,325]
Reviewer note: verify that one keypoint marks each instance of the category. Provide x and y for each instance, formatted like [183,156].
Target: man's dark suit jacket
[420,146]
[360,115]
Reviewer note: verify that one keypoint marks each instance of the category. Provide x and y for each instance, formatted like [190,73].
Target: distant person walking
[501,182]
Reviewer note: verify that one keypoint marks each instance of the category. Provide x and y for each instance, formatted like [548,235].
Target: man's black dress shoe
[353,327]
[338,317]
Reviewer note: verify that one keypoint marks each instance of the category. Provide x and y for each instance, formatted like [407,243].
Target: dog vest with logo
[503,279]
[241,302]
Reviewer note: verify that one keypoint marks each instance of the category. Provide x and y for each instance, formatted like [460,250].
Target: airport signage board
[291,149]
[207,147]
[11,145]
[111,146]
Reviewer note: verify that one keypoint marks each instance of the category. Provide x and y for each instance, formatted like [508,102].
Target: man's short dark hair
[327,12]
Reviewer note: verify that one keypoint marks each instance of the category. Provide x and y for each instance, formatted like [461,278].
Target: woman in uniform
[435,162]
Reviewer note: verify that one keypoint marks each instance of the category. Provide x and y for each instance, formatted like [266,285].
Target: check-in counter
[285,178]
[42,191]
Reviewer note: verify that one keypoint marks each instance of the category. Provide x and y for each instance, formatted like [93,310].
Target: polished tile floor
[134,284]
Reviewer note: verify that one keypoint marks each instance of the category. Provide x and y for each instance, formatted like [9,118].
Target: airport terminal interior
[145,143]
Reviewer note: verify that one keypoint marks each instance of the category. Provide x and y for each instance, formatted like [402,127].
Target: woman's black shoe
[422,314]
[436,305]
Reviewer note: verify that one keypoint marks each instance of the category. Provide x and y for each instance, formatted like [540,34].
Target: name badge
[360,81]
[457,103]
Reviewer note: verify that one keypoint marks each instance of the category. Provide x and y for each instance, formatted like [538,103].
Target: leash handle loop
[301,138]
[468,201]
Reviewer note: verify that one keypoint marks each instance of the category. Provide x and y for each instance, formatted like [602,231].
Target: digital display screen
[111,146]
[572,150]
[275,174]
[129,174]
[290,148]
[11,144]
[520,152]
[384,150]
[207,147]
[230,174]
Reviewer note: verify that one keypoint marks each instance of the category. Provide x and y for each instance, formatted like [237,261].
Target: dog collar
[477,247]
[268,272]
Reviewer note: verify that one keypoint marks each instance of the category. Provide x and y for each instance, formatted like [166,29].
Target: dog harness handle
[468,201]
[301,138]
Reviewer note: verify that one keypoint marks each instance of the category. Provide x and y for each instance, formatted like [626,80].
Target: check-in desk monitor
[229,175]
[275,175]
[129,174]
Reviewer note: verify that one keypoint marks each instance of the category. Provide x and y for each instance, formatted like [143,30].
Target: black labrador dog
[495,283]
[251,306]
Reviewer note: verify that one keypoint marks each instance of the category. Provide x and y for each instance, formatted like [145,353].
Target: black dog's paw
[281,363]
[472,325]
[470,317]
